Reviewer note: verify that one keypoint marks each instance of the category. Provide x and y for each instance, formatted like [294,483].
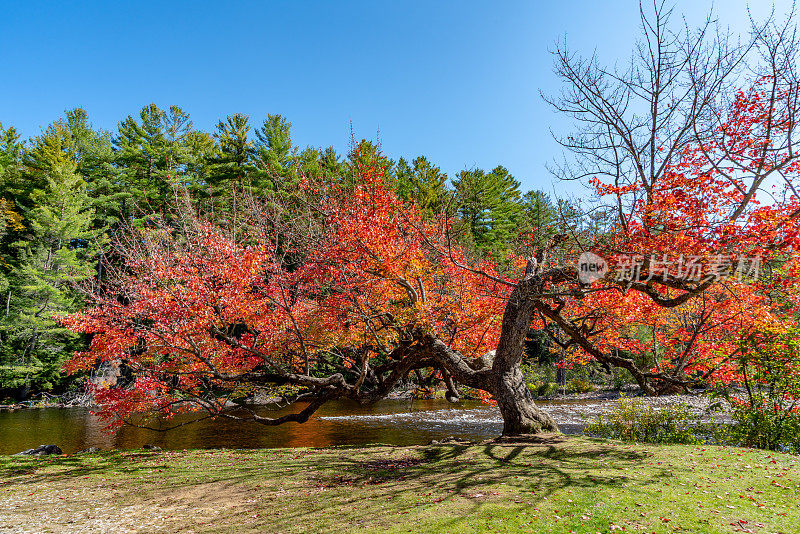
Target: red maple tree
[347,291]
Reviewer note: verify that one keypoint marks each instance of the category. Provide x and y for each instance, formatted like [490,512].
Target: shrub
[765,403]
[766,408]
[579,385]
[14,376]
[621,378]
[546,388]
[538,374]
[765,424]
[633,420]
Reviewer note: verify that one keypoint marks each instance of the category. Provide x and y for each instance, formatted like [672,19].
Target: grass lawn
[554,484]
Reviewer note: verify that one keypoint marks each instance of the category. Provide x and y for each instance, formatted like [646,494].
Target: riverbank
[553,484]
[67,400]
[395,422]
[586,407]
[699,400]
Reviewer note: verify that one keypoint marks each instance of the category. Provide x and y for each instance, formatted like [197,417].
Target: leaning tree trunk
[520,413]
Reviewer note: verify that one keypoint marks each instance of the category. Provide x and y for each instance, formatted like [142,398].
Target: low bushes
[546,389]
[580,385]
[633,420]
[763,423]
[766,400]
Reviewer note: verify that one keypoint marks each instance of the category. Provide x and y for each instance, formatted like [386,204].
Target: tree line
[65,194]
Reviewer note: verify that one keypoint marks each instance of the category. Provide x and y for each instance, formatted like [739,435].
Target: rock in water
[42,450]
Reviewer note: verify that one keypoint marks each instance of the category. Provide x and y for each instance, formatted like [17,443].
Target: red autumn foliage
[203,318]
[690,239]
[346,293]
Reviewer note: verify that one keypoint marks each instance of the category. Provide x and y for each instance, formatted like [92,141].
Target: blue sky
[457,81]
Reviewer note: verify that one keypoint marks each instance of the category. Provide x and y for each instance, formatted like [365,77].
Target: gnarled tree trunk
[520,413]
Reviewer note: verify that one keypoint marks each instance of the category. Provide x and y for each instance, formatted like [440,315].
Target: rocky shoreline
[55,401]
[573,411]
[699,399]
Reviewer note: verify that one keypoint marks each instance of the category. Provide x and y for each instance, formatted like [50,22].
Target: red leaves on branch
[350,274]
[727,197]
[197,313]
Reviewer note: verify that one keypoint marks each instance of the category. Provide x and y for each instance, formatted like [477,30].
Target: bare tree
[634,123]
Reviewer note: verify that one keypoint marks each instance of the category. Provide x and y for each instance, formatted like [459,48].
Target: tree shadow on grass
[325,483]
[29,470]
[526,471]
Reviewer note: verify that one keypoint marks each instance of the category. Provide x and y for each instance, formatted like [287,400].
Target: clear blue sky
[457,81]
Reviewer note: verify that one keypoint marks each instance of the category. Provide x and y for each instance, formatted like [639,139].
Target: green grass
[555,484]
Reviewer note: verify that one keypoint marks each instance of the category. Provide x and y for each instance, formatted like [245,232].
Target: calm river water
[396,422]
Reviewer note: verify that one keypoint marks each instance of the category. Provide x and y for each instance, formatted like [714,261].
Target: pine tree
[491,206]
[275,157]
[331,165]
[10,166]
[424,184]
[539,217]
[11,152]
[93,153]
[155,154]
[201,148]
[66,197]
[58,249]
[367,155]
[180,156]
[231,165]
[309,163]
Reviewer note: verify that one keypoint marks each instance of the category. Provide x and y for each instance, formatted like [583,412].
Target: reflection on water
[395,422]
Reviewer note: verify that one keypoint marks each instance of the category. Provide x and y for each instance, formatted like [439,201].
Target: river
[395,422]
